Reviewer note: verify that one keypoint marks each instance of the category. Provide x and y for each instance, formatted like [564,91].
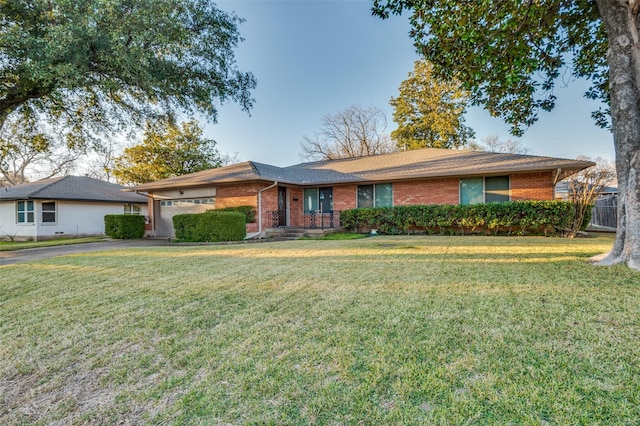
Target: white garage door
[166,209]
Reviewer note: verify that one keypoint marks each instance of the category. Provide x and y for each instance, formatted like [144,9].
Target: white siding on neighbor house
[73,218]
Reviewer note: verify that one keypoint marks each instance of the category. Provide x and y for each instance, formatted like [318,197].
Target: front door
[282,206]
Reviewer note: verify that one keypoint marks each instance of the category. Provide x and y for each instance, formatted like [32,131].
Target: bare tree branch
[353,132]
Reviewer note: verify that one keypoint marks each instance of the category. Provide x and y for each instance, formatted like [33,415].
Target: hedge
[211,226]
[124,226]
[515,217]
[248,211]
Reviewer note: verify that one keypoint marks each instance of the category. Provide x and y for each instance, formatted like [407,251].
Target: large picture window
[25,212]
[49,212]
[316,197]
[379,195]
[484,190]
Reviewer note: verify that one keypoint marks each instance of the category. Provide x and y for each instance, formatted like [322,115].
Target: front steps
[296,233]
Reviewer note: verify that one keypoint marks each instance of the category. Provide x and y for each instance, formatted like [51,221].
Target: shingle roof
[416,164]
[77,188]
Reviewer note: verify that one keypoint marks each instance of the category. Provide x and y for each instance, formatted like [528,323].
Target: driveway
[28,255]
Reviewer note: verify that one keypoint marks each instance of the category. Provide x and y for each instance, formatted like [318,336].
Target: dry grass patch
[385,330]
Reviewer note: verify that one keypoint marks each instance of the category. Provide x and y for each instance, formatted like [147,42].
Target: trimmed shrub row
[515,217]
[248,211]
[124,226]
[211,226]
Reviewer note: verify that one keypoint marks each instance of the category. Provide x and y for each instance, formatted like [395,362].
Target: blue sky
[312,58]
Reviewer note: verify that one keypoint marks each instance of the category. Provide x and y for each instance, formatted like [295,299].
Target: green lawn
[381,330]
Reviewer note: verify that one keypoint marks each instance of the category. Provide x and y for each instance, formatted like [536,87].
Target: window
[496,189]
[184,202]
[484,190]
[49,212]
[132,208]
[316,197]
[379,195]
[25,212]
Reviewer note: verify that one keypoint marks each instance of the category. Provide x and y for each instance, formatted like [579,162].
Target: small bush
[211,226]
[515,217]
[124,226]
[248,211]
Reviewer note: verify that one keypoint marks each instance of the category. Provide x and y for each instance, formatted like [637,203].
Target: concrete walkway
[28,255]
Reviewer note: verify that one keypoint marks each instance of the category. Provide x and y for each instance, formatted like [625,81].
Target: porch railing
[312,219]
[319,219]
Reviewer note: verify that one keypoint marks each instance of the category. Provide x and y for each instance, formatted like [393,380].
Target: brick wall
[296,207]
[532,186]
[428,191]
[237,195]
[344,197]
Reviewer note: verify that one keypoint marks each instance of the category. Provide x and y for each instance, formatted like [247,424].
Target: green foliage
[510,54]
[167,150]
[211,226]
[429,111]
[124,226]
[516,217]
[94,65]
[248,211]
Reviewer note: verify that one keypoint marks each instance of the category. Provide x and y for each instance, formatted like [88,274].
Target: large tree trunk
[620,18]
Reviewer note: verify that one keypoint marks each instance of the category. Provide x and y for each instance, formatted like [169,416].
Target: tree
[585,187]
[493,143]
[97,65]
[27,153]
[167,150]
[354,132]
[510,54]
[429,111]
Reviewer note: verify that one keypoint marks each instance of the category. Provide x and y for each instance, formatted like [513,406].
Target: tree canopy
[167,150]
[93,65]
[429,111]
[510,54]
[354,132]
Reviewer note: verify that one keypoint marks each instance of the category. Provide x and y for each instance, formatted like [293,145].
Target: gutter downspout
[275,183]
[556,178]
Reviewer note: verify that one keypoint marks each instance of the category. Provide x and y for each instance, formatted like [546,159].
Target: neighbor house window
[484,190]
[379,195]
[132,208]
[49,212]
[25,212]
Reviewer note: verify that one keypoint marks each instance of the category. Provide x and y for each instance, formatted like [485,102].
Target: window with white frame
[484,190]
[49,212]
[25,212]
[132,208]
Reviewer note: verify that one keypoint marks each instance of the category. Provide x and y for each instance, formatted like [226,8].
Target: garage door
[166,209]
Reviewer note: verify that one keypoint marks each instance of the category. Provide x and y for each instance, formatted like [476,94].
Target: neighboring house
[604,215]
[313,194]
[63,206]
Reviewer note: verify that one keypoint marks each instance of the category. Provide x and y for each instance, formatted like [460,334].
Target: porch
[311,220]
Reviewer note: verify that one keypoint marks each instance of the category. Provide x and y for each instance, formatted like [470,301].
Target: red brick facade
[524,186]
[428,191]
[532,186]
